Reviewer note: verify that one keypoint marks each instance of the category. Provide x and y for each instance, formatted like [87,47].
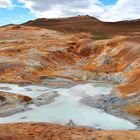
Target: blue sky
[108,2]
[20,11]
[15,14]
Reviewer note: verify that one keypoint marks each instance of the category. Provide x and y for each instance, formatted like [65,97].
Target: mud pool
[66,107]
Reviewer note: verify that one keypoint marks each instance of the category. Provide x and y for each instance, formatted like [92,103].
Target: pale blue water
[67,107]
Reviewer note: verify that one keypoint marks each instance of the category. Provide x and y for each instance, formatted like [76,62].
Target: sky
[20,11]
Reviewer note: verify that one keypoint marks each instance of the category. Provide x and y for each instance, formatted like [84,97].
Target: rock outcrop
[116,105]
[13,103]
[46,98]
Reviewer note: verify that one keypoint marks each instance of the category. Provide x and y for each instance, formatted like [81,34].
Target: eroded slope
[29,53]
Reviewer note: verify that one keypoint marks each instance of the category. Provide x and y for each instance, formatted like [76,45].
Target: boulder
[46,98]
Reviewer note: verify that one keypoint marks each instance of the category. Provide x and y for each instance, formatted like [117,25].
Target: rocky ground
[45,131]
[116,105]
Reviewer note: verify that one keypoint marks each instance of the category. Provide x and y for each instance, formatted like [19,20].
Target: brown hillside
[86,24]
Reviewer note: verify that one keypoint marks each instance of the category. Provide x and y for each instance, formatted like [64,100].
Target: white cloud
[62,8]
[5,3]
[121,10]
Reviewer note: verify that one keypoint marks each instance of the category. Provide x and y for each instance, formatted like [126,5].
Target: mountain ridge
[86,24]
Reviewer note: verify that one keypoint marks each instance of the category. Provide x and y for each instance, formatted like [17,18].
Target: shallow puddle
[67,107]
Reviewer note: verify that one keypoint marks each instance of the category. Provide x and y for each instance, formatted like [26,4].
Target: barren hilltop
[81,49]
[86,24]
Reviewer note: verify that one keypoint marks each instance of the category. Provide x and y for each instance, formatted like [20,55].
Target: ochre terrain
[80,49]
[44,131]
[29,53]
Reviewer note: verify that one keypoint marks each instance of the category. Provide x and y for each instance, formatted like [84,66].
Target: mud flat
[63,105]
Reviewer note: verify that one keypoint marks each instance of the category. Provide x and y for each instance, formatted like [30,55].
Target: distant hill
[86,24]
